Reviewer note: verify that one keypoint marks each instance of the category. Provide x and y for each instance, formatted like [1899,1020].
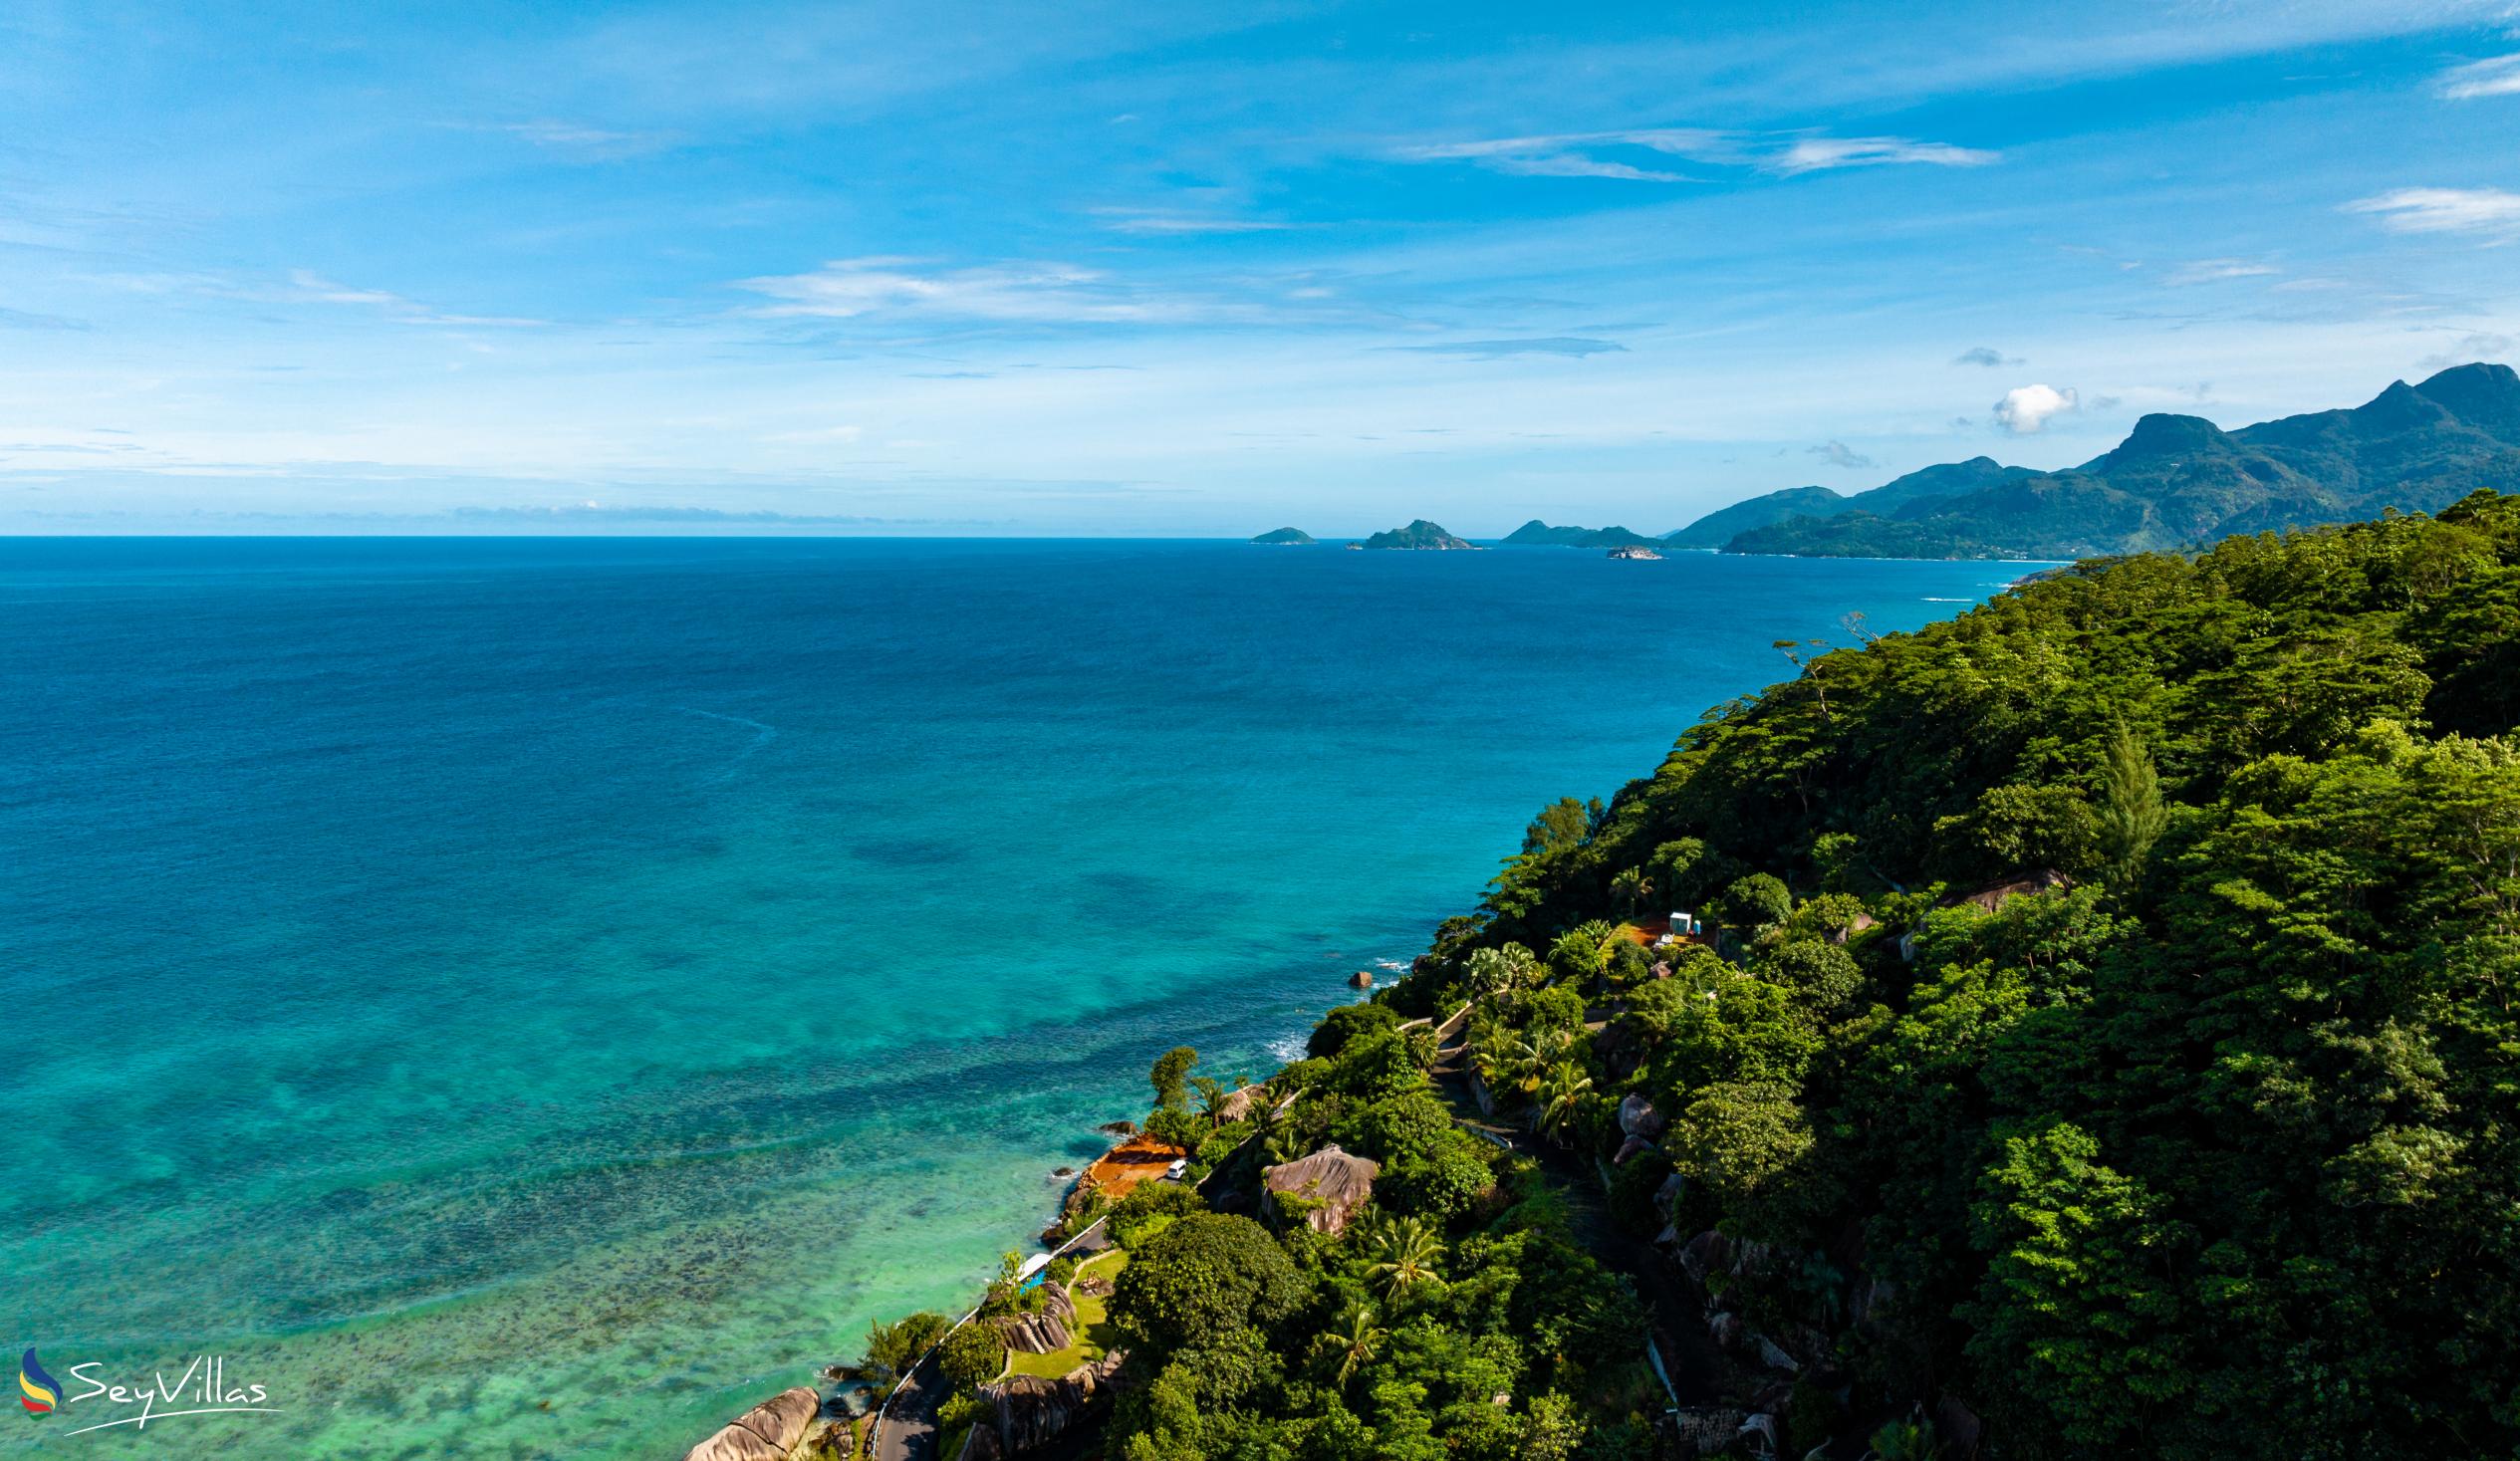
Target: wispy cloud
[1814,155]
[2215,271]
[1841,455]
[1987,356]
[2026,410]
[1576,154]
[2496,77]
[586,143]
[1574,346]
[28,319]
[2483,345]
[1158,221]
[2486,211]
[308,287]
[1595,153]
[820,435]
[849,289]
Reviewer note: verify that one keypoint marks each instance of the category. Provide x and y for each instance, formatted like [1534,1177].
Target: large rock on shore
[1328,1187]
[1239,1101]
[1046,1332]
[1032,1411]
[780,1428]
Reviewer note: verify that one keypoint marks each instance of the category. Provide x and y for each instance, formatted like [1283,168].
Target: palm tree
[1524,1061]
[1493,971]
[1356,1340]
[1518,1064]
[1561,1096]
[1627,890]
[1404,1255]
[1211,1099]
[1584,950]
[1911,1439]
[1262,1111]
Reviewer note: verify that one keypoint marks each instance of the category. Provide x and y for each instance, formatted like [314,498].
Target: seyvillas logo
[39,1392]
[202,1388]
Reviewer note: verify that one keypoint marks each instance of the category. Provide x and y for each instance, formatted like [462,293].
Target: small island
[1537,534]
[1421,534]
[1635,552]
[1286,538]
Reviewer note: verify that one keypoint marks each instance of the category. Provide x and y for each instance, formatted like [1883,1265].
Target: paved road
[909,1426]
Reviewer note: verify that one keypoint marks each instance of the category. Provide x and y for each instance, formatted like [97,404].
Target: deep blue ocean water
[532,997]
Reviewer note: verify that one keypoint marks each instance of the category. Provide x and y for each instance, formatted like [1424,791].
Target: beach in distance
[535,997]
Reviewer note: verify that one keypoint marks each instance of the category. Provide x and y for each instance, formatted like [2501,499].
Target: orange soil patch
[1644,935]
[1139,1159]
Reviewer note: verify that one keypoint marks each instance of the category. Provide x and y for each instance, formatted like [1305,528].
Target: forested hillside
[2113,1026]
[2101,1043]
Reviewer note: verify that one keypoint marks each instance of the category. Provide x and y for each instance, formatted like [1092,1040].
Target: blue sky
[1200,270]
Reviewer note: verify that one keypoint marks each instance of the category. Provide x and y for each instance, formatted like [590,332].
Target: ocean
[534,997]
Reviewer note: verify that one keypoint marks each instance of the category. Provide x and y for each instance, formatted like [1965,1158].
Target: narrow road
[910,1424]
[1677,1319]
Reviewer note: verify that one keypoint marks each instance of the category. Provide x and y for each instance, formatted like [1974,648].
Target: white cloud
[2025,409]
[1841,455]
[847,289]
[1570,154]
[1569,164]
[1578,153]
[1573,346]
[1816,154]
[2496,77]
[1155,221]
[2214,271]
[2443,210]
[2482,346]
[594,142]
[312,285]
[307,286]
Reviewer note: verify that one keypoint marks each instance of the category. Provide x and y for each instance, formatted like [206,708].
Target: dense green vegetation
[1418,534]
[1285,538]
[1453,1316]
[2201,1141]
[2106,1036]
[2175,481]
[1537,534]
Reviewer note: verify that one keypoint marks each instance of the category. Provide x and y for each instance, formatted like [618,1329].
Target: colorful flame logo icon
[37,1392]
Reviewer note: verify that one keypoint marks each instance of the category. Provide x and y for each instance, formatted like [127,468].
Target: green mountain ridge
[1537,534]
[1421,534]
[1285,538]
[2175,482]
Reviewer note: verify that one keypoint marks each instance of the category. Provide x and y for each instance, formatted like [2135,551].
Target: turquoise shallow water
[526,998]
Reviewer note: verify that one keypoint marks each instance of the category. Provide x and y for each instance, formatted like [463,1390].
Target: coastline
[720,1124]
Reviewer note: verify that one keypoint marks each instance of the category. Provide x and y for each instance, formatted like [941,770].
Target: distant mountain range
[1537,534]
[2175,481]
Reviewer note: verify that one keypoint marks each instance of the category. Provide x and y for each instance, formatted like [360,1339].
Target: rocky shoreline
[806,1424]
